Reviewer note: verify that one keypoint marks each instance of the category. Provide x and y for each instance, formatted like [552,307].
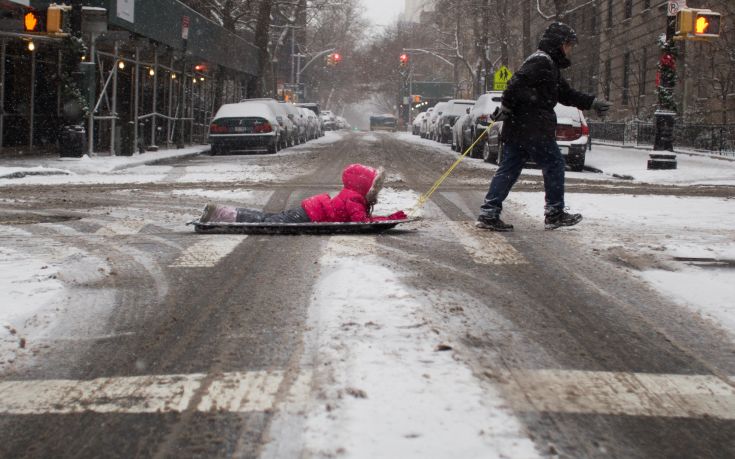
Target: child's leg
[249,215]
[216,213]
[288,216]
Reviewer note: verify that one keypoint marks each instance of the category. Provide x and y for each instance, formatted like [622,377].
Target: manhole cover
[30,219]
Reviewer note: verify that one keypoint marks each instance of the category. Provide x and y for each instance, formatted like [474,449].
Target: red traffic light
[404,59]
[337,58]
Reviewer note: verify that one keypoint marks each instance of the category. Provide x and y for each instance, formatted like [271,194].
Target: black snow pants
[258,216]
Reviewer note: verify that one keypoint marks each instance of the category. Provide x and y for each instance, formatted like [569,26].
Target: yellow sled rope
[425,197]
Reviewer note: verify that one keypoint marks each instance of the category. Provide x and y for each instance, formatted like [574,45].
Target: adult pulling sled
[297,228]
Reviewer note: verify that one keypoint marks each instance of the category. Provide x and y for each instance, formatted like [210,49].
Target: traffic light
[334,59]
[697,24]
[52,21]
[416,99]
[404,59]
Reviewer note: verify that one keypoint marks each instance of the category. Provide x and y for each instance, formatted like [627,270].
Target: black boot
[492,224]
[561,218]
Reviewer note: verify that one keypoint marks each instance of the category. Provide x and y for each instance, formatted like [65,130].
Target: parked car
[288,137]
[416,125]
[298,120]
[312,123]
[460,132]
[434,121]
[454,109]
[245,125]
[425,124]
[385,122]
[480,114]
[314,107]
[329,121]
[572,136]
[342,123]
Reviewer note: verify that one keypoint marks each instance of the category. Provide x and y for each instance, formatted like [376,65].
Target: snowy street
[124,333]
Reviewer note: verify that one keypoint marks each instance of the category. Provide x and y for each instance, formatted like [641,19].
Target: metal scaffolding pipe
[3,52]
[32,114]
[155,97]
[113,122]
[136,102]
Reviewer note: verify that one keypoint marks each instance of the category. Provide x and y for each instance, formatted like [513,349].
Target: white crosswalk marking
[208,252]
[232,392]
[564,391]
[631,394]
[119,227]
[485,247]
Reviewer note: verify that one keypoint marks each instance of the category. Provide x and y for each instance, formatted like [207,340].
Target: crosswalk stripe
[207,253]
[613,393]
[231,392]
[486,248]
[120,227]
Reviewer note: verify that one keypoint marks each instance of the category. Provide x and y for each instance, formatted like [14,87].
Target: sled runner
[297,228]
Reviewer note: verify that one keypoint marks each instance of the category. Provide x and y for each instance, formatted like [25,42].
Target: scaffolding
[150,90]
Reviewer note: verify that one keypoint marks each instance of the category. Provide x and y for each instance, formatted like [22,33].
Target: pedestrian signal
[334,59]
[404,59]
[697,24]
[34,21]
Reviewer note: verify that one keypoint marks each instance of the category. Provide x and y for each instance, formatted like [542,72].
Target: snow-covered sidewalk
[16,168]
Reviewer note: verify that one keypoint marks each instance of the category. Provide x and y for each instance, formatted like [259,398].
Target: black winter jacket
[532,94]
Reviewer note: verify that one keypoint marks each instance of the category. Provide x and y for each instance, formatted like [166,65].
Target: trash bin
[72,142]
[127,139]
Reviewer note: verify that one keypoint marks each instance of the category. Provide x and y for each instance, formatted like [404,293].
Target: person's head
[559,39]
[364,180]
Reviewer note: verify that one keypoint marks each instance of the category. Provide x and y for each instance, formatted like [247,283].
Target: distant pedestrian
[354,203]
[529,128]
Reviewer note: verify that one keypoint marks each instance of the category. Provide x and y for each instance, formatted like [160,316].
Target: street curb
[678,152]
[154,161]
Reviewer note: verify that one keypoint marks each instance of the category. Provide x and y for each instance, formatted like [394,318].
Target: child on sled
[354,203]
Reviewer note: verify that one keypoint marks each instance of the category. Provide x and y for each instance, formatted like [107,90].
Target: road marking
[209,252]
[630,394]
[119,227]
[233,392]
[486,247]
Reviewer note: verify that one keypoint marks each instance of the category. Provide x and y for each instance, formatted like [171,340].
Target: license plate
[564,150]
[240,129]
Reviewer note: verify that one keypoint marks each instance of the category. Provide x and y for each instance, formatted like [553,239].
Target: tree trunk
[262,32]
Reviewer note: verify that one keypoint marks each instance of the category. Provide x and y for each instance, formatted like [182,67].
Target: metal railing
[709,138]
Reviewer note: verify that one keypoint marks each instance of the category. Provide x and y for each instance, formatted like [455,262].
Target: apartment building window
[626,78]
[628,9]
[646,4]
[608,77]
[609,14]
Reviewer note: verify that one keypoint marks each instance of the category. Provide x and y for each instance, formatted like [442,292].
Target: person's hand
[601,106]
[501,113]
[400,215]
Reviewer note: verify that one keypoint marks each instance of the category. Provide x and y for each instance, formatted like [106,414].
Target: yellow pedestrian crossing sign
[502,76]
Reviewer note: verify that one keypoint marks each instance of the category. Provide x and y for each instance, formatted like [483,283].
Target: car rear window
[459,109]
[239,125]
[564,111]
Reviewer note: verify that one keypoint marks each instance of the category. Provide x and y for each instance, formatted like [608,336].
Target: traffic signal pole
[665,113]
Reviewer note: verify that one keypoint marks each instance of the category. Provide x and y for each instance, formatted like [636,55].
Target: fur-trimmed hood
[364,180]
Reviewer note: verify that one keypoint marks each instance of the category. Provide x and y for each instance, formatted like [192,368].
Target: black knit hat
[558,34]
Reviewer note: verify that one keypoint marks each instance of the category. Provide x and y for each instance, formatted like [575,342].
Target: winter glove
[400,215]
[601,106]
[501,113]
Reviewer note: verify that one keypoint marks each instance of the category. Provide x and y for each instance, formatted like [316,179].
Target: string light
[121,65]
[31,46]
[151,72]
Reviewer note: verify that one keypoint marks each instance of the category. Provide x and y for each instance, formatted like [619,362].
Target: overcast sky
[383,12]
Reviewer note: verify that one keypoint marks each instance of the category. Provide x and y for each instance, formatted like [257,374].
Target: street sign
[501,79]
[675,6]
[185,27]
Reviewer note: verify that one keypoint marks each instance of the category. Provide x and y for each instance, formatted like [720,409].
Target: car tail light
[262,128]
[567,132]
[585,129]
[483,118]
[217,129]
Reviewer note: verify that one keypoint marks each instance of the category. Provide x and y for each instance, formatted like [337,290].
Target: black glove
[601,106]
[501,113]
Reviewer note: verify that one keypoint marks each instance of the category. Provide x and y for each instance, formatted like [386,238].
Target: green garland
[667,74]
[73,48]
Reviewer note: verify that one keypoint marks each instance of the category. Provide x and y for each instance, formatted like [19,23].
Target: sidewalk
[21,167]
